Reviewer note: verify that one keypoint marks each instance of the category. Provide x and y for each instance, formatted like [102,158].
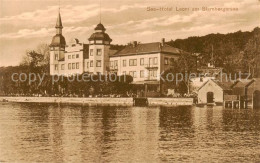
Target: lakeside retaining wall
[99,101]
[71,100]
[170,101]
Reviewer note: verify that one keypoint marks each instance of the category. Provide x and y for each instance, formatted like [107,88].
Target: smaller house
[248,90]
[213,91]
[197,82]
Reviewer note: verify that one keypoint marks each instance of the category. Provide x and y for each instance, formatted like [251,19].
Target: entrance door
[210,97]
[256,99]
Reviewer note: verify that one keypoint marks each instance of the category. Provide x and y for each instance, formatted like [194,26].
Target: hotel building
[143,61]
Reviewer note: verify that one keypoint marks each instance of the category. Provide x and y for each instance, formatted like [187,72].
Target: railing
[151,66]
[231,97]
[114,69]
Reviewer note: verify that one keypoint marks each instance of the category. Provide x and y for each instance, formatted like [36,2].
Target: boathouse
[212,92]
[248,92]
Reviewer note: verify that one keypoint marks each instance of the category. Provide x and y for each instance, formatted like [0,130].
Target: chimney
[134,44]
[163,41]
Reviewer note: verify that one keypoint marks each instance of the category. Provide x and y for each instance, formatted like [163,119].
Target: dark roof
[100,36]
[243,83]
[112,52]
[58,40]
[224,85]
[154,47]
[100,27]
[58,23]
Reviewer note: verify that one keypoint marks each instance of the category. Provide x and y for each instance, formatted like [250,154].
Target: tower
[57,48]
[99,45]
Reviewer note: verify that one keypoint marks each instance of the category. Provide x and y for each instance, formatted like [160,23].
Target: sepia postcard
[129,81]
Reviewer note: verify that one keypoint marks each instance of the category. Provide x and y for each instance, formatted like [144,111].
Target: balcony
[113,69]
[151,67]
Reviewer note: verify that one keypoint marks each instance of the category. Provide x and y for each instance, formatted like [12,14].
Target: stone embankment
[99,101]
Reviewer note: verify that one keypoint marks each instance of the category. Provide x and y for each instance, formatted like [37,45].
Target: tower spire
[99,11]
[59,23]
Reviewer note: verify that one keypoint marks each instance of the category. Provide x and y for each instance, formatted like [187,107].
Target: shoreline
[128,101]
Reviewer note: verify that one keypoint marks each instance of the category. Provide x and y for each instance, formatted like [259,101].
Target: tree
[252,53]
[181,69]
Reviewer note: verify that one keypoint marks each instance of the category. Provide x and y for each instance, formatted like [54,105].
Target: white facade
[144,62]
[213,88]
[143,67]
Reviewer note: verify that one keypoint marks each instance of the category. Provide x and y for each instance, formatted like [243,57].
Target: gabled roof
[222,85]
[243,83]
[154,47]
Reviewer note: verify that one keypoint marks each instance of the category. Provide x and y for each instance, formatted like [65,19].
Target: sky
[25,24]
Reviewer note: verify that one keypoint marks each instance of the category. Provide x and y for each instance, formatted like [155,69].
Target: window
[77,55]
[132,62]
[91,52]
[99,52]
[150,61]
[155,61]
[150,73]
[69,56]
[62,67]
[69,66]
[166,61]
[56,67]
[73,65]
[124,63]
[73,56]
[87,64]
[91,63]
[56,57]
[116,64]
[154,73]
[141,61]
[111,64]
[172,61]
[141,73]
[98,63]
[77,65]
[133,74]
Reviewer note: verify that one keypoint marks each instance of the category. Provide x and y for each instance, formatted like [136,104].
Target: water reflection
[52,133]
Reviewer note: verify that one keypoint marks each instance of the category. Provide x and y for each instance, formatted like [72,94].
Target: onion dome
[58,40]
[100,34]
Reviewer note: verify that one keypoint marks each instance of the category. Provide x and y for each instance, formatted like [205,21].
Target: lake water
[51,133]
